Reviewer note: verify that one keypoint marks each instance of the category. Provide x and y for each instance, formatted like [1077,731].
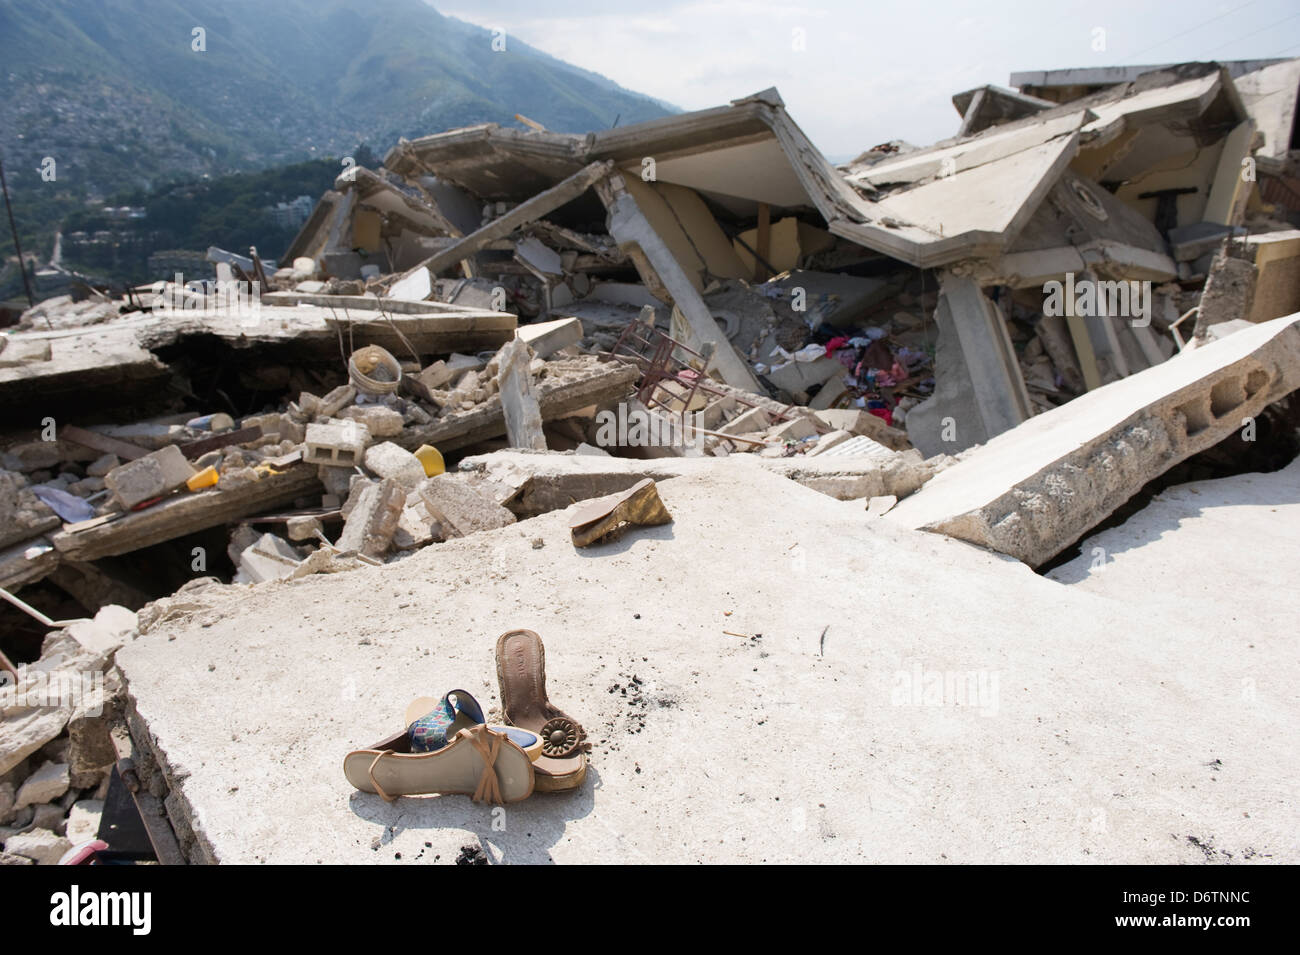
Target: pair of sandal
[448,748]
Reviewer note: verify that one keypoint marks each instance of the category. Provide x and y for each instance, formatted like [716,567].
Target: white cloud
[870,72]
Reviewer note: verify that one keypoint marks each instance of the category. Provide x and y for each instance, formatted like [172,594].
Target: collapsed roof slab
[495,162]
[491,161]
[1167,134]
[1048,82]
[342,653]
[991,105]
[962,199]
[1079,227]
[1033,491]
[386,197]
[315,329]
[543,203]
[96,366]
[703,150]
[1199,96]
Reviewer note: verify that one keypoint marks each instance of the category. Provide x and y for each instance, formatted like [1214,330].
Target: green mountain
[117,94]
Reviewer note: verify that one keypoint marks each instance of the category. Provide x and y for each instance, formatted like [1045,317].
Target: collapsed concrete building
[986,342]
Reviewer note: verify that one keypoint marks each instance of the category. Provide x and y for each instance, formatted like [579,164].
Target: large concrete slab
[807,738]
[539,482]
[1032,491]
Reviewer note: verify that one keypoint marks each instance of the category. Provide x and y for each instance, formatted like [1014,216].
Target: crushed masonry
[509,378]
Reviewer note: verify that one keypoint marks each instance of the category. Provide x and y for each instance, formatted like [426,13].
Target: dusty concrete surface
[1157,558]
[1123,737]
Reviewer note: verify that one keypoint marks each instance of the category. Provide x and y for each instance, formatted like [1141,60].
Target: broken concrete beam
[388,460]
[855,475]
[459,508]
[373,519]
[980,391]
[151,476]
[659,268]
[546,338]
[247,434]
[102,442]
[518,397]
[545,482]
[186,514]
[1033,491]
[534,208]
[337,443]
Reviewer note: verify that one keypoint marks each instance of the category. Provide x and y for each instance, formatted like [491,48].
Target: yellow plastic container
[430,457]
[206,478]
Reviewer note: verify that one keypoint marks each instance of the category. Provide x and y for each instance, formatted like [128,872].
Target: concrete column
[632,230]
[979,390]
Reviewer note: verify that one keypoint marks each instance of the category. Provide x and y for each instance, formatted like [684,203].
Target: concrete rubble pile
[55,720]
[1001,338]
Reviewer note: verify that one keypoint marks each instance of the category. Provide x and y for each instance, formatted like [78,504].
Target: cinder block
[153,475]
[336,443]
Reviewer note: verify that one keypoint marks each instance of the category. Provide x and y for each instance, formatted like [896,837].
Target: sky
[854,74]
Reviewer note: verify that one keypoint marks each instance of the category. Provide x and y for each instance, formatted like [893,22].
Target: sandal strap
[375,782]
[489,784]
